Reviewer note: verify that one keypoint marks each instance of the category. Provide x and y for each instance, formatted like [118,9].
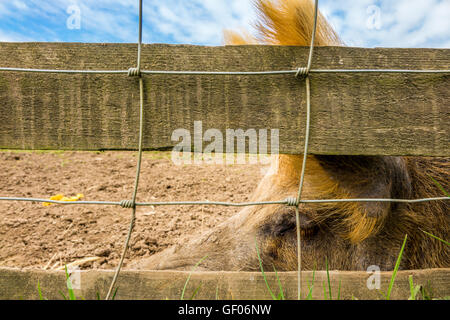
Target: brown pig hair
[290,22]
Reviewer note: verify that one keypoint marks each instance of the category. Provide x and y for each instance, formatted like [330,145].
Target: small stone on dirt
[102,252]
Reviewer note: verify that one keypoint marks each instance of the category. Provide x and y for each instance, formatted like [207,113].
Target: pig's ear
[368,177]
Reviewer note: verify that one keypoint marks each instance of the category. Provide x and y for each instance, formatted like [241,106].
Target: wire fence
[302,73]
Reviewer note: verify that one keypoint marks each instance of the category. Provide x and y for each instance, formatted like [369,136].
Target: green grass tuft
[414,290]
[394,273]
[433,236]
[41,297]
[69,287]
[439,186]
[280,294]
[309,296]
[328,278]
[189,277]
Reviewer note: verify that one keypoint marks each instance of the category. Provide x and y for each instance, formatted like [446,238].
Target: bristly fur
[289,22]
[286,22]
[352,235]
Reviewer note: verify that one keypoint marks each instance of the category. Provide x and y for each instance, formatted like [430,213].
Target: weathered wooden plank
[370,114]
[22,284]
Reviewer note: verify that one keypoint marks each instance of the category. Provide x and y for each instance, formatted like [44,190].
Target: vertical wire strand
[300,188]
[313,36]
[140,37]
[305,151]
[299,254]
[138,171]
[139,160]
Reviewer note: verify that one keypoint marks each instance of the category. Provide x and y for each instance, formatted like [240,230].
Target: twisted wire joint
[134,72]
[303,72]
[291,201]
[127,204]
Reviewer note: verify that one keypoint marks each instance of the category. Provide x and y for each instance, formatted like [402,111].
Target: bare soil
[47,237]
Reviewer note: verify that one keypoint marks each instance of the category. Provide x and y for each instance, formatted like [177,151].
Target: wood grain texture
[355,114]
[162,285]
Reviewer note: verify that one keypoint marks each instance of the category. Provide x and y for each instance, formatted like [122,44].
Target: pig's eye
[282,222]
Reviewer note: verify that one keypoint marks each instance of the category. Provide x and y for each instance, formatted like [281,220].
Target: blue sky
[364,23]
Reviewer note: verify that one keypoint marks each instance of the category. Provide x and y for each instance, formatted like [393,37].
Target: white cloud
[20,5]
[121,25]
[13,37]
[4,9]
[198,21]
[403,23]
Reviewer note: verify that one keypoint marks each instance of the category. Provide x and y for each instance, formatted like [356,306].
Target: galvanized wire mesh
[303,72]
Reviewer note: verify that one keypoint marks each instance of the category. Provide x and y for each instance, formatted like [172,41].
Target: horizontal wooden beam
[355,114]
[162,285]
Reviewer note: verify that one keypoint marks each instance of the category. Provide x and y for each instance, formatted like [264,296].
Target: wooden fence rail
[355,114]
[22,284]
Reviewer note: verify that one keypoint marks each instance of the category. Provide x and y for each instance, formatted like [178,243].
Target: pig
[348,235]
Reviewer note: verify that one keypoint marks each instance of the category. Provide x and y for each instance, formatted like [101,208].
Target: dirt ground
[47,237]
